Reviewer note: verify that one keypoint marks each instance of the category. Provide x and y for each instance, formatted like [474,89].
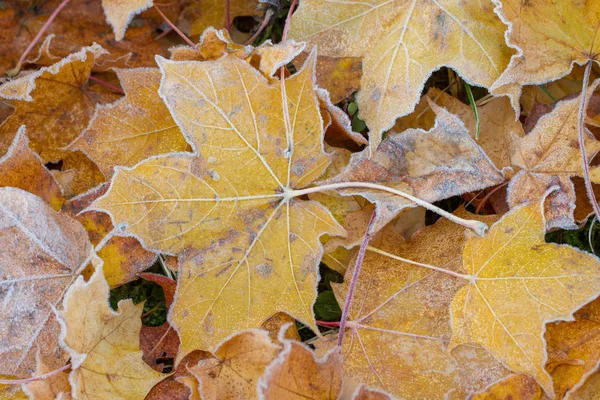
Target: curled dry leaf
[298,374]
[544,281]
[133,128]
[212,45]
[42,254]
[549,156]
[106,359]
[20,167]
[237,364]
[589,390]
[431,165]
[400,319]
[539,31]
[250,251]
[124,257]
[499,126]
[401,43]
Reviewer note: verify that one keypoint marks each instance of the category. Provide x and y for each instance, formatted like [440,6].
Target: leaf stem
[288,21]
[34,378]
[228,15]
[477,226]
[357,266]
[431,267]
[263,24]
[327,323]
[17,68]
[581,122]
[184,37]
[108,85]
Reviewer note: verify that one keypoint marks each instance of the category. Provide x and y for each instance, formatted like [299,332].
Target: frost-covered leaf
[401,43]
[42,254]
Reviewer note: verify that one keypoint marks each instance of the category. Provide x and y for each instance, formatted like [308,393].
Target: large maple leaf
[401,43]
[252,247]
[518,283]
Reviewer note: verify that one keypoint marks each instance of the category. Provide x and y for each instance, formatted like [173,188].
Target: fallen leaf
[212,45]
[42,254]
[563,32]
[55,103]
[573,349]
[499,126]
[12,392]
[264,259]
[237,364]
[298,374]
[545,282]
[401,44]
[521,387]
[431,165]
[274,325]
[106,360]
[590,389]
[400,318]
[22,168]
[132,129]
[549,155]
[120,13]
[124,257]
[79,24]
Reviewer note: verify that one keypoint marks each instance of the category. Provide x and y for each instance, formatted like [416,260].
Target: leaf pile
[281,195]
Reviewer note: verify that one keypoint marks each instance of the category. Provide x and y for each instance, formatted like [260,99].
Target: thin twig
[581,121]
[187,39]
[288,21]
[487,196]
[163,34]
[108,85]
[262,26]
[228,15]
[37,37]
[34,378]
[327,323]
[357,266]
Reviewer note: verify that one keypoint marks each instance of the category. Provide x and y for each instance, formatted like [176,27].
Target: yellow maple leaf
[518,283]
[234,370]
[42,254]
[106,360]
[401,43]
[252,247]
[133,128]
[562,31]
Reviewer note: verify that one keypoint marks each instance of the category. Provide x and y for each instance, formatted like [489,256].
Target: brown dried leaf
[42,254]
[22,168]
[519,387]
[237,364]
[298,374]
